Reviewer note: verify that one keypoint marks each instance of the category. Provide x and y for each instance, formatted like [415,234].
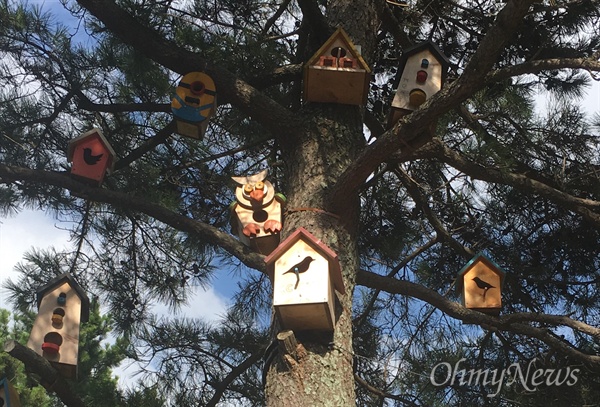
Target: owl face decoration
[257,212]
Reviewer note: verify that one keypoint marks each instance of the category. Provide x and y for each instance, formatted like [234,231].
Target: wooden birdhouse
[195,101]
[305,273]
[62,306]
[481,282]
[8,395]
[91,156]
[421,74]
[257,212]
[337,73]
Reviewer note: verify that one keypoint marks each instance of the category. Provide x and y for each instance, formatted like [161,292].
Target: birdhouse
[305,273]
[91,156]
[481,282]
[62,306]
[8,395]
[257,212]
[421,74]
[337,73]
[195,101]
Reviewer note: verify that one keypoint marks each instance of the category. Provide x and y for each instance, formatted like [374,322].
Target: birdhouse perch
[305,273]
[481,282]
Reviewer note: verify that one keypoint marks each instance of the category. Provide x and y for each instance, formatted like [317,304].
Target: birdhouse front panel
[195,101]
[420,79]
[337,73]
[482,288]
[8,395]
[257,213]
[303,295]
[90,156]
[55,333]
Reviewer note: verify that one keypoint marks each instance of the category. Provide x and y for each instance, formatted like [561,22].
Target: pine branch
[504,323]
[9,174]
[231,89]
[50,378]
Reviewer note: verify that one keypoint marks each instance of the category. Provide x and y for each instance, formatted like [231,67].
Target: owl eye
[260,186]
[248,188]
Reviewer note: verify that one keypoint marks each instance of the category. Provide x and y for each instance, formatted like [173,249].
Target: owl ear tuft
[251,179]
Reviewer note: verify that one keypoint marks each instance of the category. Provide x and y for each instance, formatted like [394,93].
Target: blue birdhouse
[8,395]
[305,275]
[480,283]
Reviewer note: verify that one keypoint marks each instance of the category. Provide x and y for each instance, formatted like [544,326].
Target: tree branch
[505,323]
[230,88]
[202,230]
[50,378]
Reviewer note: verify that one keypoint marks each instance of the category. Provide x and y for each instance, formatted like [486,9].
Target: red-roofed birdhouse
[195,101]
[337,73]
[421,74]
[62,306]
[305,273]
[481,282]
[8,395]
[91,156]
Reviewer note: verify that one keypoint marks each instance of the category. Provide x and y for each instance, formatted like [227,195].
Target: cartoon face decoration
[195,101]
[256,215]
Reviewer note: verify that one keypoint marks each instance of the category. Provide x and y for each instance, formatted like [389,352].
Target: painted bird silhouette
[484,285]
[300,267]
[89,158]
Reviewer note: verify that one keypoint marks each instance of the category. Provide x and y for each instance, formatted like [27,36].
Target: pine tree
[477,168]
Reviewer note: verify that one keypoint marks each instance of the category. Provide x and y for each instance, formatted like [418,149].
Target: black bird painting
[300,267]
[89,158]
[484,285]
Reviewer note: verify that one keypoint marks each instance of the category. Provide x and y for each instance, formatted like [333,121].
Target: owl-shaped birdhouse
[481,282]
[257,212]
[305,274]
[421,74]
[195,101]
[91,156]
[62,306]
[8,395]
[337,73]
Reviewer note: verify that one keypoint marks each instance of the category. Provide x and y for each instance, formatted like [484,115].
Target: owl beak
[257,195]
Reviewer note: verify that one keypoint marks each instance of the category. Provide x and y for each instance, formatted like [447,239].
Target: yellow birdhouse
[337,73]
[421,74]
[481,282]
[8,395]
[195,101]
[305,273]
[91,156]
[62,306]
[257,212]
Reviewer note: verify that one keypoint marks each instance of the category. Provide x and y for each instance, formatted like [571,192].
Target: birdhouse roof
[342,36]
[95,132]
[58,281]
[434,49]
[319,246]
[480,258]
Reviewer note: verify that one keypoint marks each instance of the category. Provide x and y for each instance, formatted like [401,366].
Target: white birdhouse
[421,74]
[337,73]
[8,395]
[305,273]
[62,306]
[480,282]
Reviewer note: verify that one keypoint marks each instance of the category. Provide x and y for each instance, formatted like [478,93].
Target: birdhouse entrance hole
[197,88]
[57,317]
[52,342]
[260,216]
